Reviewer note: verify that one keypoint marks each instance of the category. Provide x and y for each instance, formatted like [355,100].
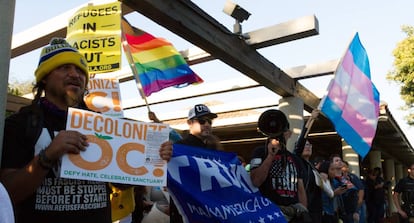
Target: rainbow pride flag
[352,101]
[158,63]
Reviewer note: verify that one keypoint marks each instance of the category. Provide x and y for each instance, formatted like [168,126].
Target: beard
[74,93]
[70,96]
[73,98]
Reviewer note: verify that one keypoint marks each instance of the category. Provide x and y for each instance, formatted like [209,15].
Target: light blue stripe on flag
[352,101]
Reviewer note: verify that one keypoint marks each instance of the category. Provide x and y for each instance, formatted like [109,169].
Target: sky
[377,22]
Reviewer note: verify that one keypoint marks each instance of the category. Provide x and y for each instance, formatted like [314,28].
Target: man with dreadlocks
[35,139]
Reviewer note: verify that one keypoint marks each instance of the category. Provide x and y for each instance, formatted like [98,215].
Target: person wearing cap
[276,171]
[35,139]
[199,121]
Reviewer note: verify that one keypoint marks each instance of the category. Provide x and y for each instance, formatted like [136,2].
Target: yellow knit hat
[57,53]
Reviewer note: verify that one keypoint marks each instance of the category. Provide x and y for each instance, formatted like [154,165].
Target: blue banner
[212,186]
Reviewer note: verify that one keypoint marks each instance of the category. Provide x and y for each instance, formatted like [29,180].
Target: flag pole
[310,121]
[133,68]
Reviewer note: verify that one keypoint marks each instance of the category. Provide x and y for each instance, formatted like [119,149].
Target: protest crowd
[303,190]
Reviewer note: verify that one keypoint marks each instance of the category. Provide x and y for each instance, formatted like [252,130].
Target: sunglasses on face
[203,121]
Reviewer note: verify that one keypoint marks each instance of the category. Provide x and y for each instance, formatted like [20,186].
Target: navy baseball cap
[201,110]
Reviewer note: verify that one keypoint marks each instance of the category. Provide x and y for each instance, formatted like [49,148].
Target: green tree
[403,71]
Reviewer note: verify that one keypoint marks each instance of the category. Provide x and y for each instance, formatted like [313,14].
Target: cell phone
[344,186]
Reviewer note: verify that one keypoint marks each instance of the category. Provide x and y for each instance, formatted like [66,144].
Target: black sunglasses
[203,121]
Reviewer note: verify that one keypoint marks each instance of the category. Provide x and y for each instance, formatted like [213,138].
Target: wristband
[45,162]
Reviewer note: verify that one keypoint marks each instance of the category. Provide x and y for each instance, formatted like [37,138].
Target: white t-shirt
[6,208]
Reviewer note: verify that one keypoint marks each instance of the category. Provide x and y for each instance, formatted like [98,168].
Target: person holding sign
[35,140]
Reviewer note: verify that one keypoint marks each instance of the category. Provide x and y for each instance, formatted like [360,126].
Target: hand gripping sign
[119,151]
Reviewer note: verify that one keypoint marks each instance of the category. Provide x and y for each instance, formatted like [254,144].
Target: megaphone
[273,123]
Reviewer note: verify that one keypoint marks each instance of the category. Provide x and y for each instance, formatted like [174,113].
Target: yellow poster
[95,30]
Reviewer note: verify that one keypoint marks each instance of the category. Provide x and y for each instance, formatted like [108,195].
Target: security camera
[236,11]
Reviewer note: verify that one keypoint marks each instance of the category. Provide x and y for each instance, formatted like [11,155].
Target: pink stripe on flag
[355,118]
[364,127]
[337,94]
[361,81]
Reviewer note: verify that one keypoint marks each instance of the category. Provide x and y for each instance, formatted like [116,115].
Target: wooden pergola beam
[193,24]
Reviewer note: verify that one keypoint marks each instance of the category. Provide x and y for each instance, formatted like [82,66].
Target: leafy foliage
[403,71]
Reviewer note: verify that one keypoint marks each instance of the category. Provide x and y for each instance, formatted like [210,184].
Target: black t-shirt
[405,187]
[374,195]
[57,199]
[313,191]
[281,184]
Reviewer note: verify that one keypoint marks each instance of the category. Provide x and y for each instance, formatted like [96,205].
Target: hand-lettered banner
[119,151]
[212,186]
[104,96]
[95,30]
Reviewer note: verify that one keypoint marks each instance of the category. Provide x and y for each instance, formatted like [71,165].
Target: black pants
[327,218]
[316,216]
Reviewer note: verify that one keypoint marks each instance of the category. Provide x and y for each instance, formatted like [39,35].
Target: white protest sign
[119,151]
[104,96]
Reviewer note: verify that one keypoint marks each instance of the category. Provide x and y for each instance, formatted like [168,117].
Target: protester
[330,200]
[403,196]
[329,212]
[353,198]
[199,121]
[276,171]
[375,197]
[35,139]
[348,202]
[311,178]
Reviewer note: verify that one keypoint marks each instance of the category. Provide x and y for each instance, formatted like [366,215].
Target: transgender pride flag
[159,65]
[352,101]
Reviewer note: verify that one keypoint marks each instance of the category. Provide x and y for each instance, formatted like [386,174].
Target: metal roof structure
[236,125]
